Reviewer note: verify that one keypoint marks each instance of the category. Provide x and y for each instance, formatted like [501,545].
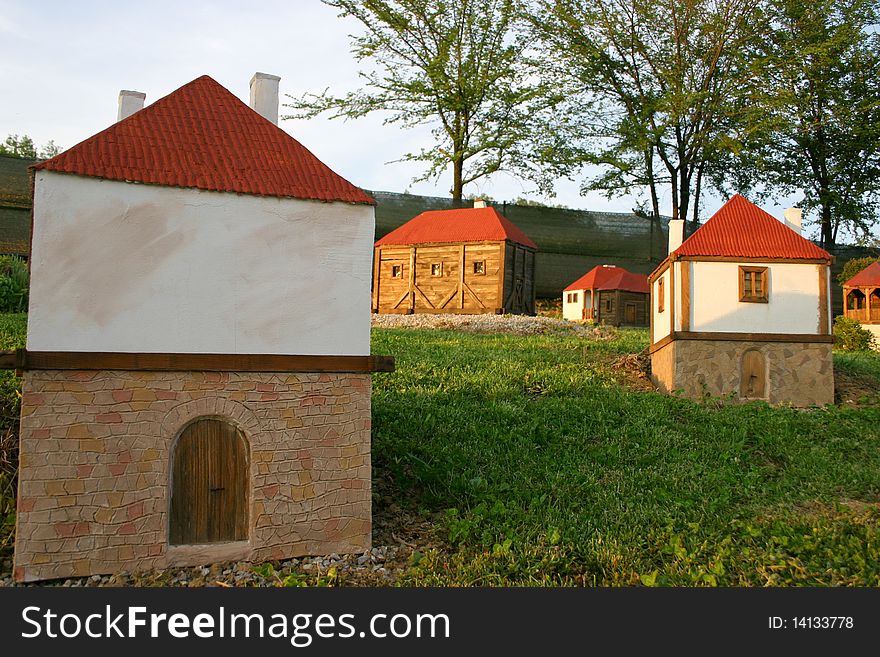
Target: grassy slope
[536,453]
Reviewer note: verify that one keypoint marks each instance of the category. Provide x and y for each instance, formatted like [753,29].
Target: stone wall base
[799,374]
[93,494]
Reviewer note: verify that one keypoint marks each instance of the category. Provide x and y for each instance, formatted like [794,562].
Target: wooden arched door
[753,382]
[209,484]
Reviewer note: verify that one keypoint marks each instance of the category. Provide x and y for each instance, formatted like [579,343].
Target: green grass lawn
[536,464]
[547,470]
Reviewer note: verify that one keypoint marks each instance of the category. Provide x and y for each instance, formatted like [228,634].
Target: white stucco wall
[660,321]
[142,268]
[573,311]
[875,330]
[793,305]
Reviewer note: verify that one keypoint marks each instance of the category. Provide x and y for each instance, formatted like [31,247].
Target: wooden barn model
[469,260]
[196,380]
[861,299]
[608,295]
[742,309]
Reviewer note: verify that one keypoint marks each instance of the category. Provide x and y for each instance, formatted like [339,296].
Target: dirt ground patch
[854,390]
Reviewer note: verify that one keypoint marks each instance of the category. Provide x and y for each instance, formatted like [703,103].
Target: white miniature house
[196,380]
[608,294]
[742,309]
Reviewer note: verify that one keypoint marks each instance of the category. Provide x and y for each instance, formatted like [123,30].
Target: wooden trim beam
[685,296]
[752,337]
[824,326]
[662,342]
[79,360]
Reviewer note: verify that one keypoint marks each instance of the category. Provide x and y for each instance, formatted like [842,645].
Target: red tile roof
[740,229]
[202,136]
[610,278]
[460,225]
[867,277]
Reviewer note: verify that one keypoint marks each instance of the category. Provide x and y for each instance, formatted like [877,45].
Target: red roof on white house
[604,277]
[740,229]
[459,225]
[202,136]
[868,277]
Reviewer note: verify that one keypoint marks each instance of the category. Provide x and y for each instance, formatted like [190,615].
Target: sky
[62,65]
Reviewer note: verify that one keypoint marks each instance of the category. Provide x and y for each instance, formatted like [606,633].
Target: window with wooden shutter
[661,295]
[753,285]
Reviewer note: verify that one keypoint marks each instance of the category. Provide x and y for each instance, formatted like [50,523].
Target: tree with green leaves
[644,89]
[24,147]
[813,103]
[853,267]
[454,65]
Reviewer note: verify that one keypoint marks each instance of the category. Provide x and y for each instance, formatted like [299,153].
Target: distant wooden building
[861,299]
[608,295]
[465,261]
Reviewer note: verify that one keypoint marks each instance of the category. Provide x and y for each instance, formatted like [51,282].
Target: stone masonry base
[800,374]
[93,491]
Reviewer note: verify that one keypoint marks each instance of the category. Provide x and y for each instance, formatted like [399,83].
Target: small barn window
[609,305]
[753,284]
[396,271]
[437,269]
[661,295]
[480,267]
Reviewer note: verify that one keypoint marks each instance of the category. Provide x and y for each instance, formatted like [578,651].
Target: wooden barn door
[753,384]
[209,494]
[630,313]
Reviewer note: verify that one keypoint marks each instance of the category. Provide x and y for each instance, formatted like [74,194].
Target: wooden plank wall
[457,289]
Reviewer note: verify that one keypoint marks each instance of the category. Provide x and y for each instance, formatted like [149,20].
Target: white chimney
[264,96]
[479,203]
[794,219]
[129,103]
[676,234]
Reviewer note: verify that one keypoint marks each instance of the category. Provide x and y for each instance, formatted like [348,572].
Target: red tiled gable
[202,136]
[460,225]
[611,278]
[868,277]
[740,229]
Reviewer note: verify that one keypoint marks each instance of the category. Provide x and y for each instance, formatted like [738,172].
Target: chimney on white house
[479,203]
[264,96]
[794,218]
[676,234]
[129,103]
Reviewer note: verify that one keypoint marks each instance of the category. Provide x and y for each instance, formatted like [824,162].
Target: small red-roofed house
[196,381]
[465,261]
[861,299]
[742,309]
[608,294]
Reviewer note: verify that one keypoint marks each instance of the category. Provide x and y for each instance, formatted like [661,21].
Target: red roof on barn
[740,229]
[868,277]
[459,225]
[202,136]
[610,278]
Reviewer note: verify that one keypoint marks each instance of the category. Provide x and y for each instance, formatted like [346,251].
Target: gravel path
[514,324]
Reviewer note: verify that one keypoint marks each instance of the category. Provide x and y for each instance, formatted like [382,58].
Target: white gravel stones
[515,324]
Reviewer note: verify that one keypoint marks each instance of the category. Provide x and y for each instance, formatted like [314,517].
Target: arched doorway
[209,484]
[753,381]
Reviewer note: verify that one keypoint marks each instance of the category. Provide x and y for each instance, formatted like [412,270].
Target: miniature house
[608,295]
[196,381]
[742,309]
[469,260]
[861,300]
